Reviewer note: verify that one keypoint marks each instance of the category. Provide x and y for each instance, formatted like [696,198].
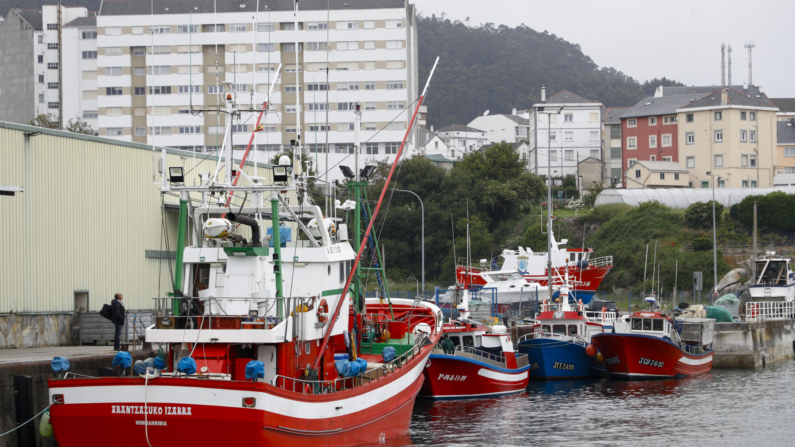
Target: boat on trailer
[259,339]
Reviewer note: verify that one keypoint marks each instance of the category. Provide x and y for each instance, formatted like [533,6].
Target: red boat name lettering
[151,409]
[452,378]
[613,360]
[649,362]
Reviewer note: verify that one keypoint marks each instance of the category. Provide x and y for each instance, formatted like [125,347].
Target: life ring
[604,309]
[322,311]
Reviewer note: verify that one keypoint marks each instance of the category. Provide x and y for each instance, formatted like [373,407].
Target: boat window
[658,325]
[636,324]
[342,273]
[478,341]
[469,341]
[646,324]
[559,329]
[573,330]
[456,341]
[546,328]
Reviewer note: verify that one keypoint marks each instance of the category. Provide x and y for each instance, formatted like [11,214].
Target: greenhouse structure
[683,197]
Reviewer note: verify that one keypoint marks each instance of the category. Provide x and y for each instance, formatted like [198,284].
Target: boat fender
[45,427]
[600,357]
[322,311]
[591,350]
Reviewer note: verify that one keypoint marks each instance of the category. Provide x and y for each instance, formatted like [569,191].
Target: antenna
[730,65]
[750,46]
[723,65]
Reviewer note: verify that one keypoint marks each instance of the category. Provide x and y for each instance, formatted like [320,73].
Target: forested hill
[498,68]
[6,5]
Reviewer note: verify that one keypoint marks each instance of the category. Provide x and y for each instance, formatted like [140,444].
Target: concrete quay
[753,345]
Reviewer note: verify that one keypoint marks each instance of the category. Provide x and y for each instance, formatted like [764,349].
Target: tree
[47,121]
[699,214]
[77,125]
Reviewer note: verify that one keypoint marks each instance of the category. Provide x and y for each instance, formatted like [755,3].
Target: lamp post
[422,207]
[714,239]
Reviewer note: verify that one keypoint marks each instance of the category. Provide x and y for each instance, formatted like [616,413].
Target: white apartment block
[461,140]
[79,51]
[151,68]
[31,62]
[576,133]
[511,128]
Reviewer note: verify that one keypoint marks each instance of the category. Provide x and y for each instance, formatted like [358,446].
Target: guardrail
[603,261]
[564,338]
[601,317]
[472,353]
[769,310]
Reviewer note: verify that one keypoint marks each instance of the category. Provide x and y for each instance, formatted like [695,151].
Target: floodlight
[176,174]
[346,171]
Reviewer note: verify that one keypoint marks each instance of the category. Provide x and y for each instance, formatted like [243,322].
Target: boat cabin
[775,280]
[565,325]
[645,323]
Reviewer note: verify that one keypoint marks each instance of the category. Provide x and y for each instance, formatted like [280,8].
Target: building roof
[753,91]
[665,105]
[735,98]
[144,7]
[613,114]
[785,131]
[425,136]
[660,166]
[32,16]
[517,119]
[784,104]
[591,160]
[436,158]
[458,128]
[83,21]
[567,97]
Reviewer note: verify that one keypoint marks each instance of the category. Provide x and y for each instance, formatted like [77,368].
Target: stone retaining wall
[34,331]
[752,345]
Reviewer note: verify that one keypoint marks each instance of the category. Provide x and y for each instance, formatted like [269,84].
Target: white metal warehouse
[682,197]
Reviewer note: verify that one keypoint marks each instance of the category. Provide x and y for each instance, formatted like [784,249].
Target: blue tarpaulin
[122,360]
[389,354]
[159,363]
[139,368]
[343,367]
[255,370]
[60,364]
[285,235]
[186,365]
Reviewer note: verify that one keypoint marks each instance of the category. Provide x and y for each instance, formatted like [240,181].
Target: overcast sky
[678,39]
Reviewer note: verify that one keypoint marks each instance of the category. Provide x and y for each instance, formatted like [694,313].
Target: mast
[363,243]
[297,96]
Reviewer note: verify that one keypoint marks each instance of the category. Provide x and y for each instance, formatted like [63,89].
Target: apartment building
[31,62]
[461,140]
[576,130]
[511,128]
[785,150]
[730,134]
[612,144]
[154,71]
[79,50]
[649,129]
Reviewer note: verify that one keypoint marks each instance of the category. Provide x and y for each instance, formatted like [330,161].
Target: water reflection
[721,408]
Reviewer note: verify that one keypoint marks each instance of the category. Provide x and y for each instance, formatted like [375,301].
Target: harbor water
[723,407]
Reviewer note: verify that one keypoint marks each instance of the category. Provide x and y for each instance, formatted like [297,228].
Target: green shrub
[702,244]
[775,210]
[699,214]
[734,212]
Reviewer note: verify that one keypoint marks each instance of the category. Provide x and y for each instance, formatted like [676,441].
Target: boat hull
[554,359]
[584,282]
[212,412]
[452,377]
[644,357]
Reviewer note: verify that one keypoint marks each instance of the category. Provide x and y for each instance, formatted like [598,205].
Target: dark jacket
[448,346]
[118,315]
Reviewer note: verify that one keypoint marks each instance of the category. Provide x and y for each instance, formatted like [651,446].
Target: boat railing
[692,349]
[601,317]
[602,261]
[769,310]
[577,339]
[274,311]
[476,354]
[303,386]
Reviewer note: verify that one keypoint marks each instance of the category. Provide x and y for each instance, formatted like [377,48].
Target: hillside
[6,5]
[498,68]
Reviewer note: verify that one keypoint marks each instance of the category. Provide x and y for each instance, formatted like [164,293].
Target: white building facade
[576,131]
[509,128]
[79,49]
[151,68]
[461,140]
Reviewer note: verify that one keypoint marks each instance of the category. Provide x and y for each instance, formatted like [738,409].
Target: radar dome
[217,228]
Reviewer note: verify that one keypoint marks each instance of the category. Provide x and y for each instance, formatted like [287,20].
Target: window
[568,136]
[291,89]
[317,66]
[343,148]
[319,148]
[52,85]
[652,141]
[369,85]
[52,26]
[189,129]
[89,35]
[316,26]
[317,87]
[237,28]
[391,148]
[394,44]
[344,127]
[369,24]
[743,136]
[290,26]
[140,91]
[159,69]
[569,155]
[289,108]
[240,88]
[347,25]
[371,148]
[161,110]
[632,143]
[138,51]
[705,184]
[139,111]
[789,151]
[89,54]
[752,136]
[290,47]
[718,160]
[721,183]
[652,121]
[347,86]
[594,153]
[394,85]
[345,106]
[400,125]
[160,29]
[745,183]
[369,126]
[594,134]
[113,91]
[394,23]
[292,68]
[114,131]
[653,158]
[752,117]
[41,79]
[632,122]
[212,28]
[52,65]
[689,118]
[666,140]
[742,116]
[41,98]
[113,71]
[319,129]
[52,46]
[158,130]
[719,136]
[139,71]
[239,127]
[265,27]
[718,115]
[214,89]
[41,59]
[753,183]
[662,176]
[266,47]
[140,131]
[161,49]
[394,105]
[186,69]
[369,45]
[744,160]
[215,130]
[690,138]
[669,119]
[185,49]
[189,89]
[90,114]
[637,173]
[347,46]
[553,155]
[187,29]
[753,161]
[264,68]
[370,105]
[568,117]
[160,90]
[316,46]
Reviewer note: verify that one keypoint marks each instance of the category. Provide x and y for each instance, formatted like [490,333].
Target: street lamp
[714,238]
[422,207]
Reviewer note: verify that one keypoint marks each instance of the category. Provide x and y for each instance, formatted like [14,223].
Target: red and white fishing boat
[650,345]
[482,364]
[257,339]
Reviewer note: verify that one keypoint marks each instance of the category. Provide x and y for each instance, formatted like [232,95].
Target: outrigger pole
[372,221]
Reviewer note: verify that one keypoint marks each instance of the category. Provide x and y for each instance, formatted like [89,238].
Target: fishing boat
[650,345]
[262,339]
[559,346]
[482,364]
[775,279]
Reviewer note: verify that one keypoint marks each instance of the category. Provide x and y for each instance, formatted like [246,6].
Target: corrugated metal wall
[87,215]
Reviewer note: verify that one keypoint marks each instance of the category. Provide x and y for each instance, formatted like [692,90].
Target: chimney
[513,112]
[431,128]
[745,86]
[761,89]
[724,97]
[543,93]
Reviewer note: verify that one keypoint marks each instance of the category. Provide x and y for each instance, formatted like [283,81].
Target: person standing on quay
[118,319]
